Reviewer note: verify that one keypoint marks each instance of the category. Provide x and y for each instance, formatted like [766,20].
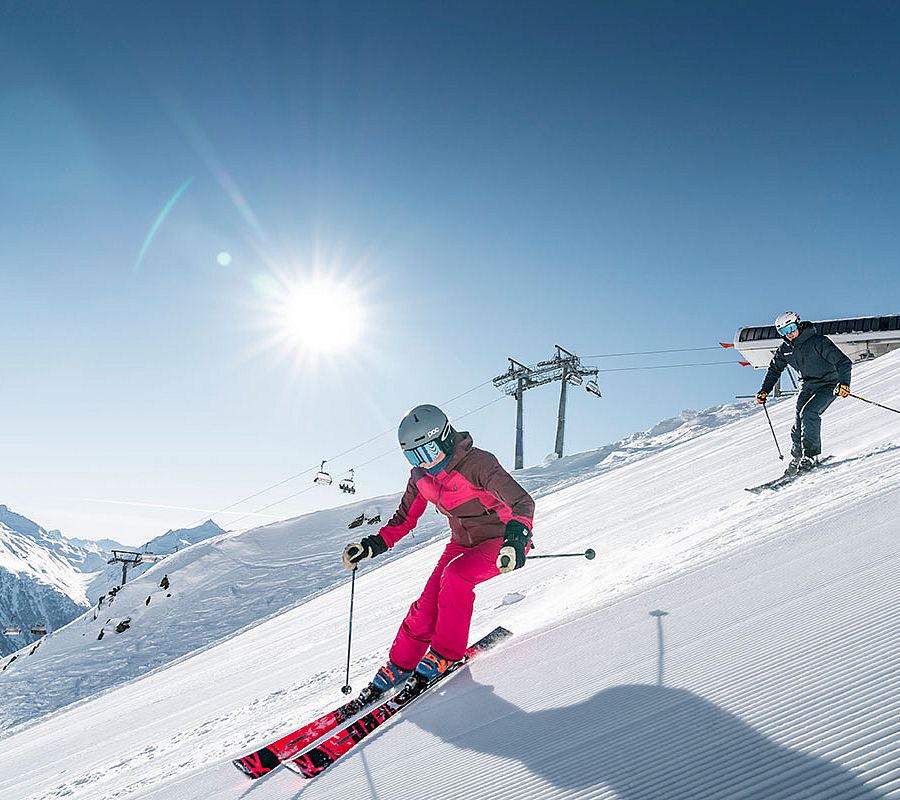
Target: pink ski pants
[442,615]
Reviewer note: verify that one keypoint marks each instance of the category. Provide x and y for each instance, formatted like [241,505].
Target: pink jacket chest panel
[449,491]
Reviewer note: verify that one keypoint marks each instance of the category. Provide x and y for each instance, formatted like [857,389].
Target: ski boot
[429,669]
[388,676]
[807,463]
[432,666]
[793,466]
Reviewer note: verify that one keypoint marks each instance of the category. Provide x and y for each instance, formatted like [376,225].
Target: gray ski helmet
[423,424]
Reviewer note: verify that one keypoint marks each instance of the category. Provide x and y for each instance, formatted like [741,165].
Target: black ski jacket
[819,361]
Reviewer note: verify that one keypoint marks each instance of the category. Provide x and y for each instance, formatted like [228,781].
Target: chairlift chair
[39,630]
[322,477]
[575,379]
[592,388]
[347,485]
[12,630]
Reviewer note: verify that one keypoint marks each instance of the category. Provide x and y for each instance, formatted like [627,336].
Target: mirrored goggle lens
[789,328]
[423,454]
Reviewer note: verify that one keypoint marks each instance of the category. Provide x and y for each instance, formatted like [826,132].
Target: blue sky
[492,178]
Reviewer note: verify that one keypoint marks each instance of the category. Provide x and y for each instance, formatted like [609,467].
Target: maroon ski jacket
[474,492]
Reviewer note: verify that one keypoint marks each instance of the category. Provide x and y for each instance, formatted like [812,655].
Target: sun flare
[321,316]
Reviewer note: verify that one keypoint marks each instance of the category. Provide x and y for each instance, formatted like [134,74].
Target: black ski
[786,478]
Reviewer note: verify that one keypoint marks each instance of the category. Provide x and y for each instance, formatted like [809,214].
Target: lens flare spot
[223,259]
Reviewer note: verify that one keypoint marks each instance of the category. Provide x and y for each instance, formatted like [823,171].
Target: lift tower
[565,367]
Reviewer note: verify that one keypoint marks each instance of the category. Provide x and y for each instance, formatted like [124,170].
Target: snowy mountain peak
[20,524]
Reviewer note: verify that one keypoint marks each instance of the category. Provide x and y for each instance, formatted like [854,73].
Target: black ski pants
[806,435]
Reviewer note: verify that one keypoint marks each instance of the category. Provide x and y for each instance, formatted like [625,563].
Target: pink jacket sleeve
[412,506]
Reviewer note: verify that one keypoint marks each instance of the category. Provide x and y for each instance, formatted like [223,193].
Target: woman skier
[490,517]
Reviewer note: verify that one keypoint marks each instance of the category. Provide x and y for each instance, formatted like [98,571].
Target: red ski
[264,760]
[319,758]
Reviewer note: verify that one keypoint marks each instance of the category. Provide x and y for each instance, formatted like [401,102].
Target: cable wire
[447,402]
[671,366]
[332,458]
[390,452]
[652,352]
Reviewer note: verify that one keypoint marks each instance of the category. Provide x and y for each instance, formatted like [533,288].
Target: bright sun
[321,316]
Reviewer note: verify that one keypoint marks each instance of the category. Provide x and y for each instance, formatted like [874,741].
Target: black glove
[367,547]
[515,541]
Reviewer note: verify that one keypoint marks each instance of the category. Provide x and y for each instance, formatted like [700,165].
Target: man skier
[825,372]
[490,517]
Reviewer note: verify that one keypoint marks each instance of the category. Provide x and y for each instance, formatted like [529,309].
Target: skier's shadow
[644,742]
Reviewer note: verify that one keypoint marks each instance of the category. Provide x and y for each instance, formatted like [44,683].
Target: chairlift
[575,379]
[347,485]
[12,630]
[592,388]
[322,477]
[39,630]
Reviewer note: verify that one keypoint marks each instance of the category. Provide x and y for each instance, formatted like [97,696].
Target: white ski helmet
[783,322]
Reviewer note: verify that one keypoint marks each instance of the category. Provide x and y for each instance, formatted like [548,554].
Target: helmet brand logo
[434,431]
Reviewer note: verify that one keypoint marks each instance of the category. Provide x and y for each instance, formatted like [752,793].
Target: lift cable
[392,451]
[447,402]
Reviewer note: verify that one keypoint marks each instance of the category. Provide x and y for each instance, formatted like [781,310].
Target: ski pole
[873,403]
[347,688]
[772,428]
[588,554]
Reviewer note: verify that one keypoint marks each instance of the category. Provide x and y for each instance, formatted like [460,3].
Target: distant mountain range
[47,579]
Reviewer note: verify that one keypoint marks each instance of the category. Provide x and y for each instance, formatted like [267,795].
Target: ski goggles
[424,453]
[784,330]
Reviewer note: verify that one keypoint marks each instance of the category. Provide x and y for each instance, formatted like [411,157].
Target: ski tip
[300,767]
[251,773]
[293,767]
[257,764]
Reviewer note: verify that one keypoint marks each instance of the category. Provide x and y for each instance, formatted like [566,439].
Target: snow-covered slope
[47,579]
[110,575]
[227,583]
[773,673]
